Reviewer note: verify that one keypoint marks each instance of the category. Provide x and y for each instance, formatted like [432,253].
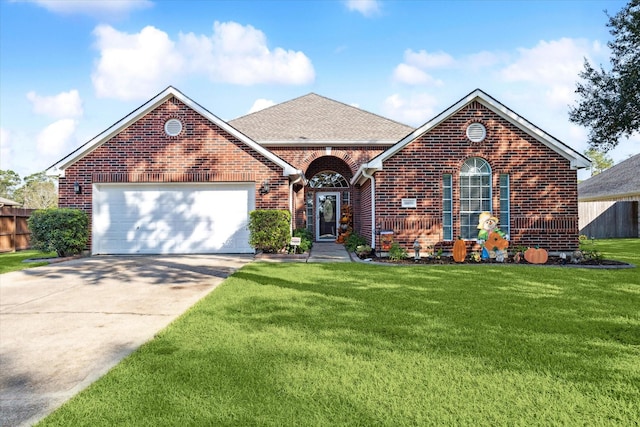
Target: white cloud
[54,140]
[549,62]
[261,104]
[365,7]
[412,70]
[64,104]
[424,59]
[5,149]
[415,110]
[139,65]
[134,66]
[410,75]
[239,54]
[552,64]
[97,8]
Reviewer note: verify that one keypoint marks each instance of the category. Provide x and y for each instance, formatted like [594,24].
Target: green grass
[13,261]
[358,344]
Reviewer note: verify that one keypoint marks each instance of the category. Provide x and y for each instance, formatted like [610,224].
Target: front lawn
[14,261]
[358,344]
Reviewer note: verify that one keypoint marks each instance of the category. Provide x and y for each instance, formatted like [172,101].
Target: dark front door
[327,215]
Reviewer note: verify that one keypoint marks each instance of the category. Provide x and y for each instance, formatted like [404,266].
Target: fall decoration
[459,250]
[536,255]
[496,242]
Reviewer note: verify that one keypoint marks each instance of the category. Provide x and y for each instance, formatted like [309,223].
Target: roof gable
[59,167]
[576,159]
[621,180]
[315,119]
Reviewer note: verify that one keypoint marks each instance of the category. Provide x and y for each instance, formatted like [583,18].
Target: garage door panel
[172,218]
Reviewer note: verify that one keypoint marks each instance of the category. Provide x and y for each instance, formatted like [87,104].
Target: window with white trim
[475,195]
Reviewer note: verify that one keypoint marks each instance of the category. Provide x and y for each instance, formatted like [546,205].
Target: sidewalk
[328,252]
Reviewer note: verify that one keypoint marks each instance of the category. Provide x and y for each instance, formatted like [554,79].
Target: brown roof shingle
[621,180]
[316,118]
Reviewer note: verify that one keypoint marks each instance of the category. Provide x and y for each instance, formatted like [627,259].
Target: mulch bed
[551,261]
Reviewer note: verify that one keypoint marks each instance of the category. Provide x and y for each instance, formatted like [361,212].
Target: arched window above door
[328,179]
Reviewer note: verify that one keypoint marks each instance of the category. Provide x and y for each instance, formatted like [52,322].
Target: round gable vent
[476,132]
[173,127]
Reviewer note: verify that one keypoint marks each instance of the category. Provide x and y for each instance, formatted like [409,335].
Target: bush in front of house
[397,252]
[269,229]
[61,230]
[353,241]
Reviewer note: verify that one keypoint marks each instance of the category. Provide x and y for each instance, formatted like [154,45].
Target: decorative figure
[459,250]
[345,229]
[327,208]
[416,250]
[491,238]
[536,255]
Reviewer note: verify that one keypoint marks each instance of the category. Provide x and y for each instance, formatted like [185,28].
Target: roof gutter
[366,171]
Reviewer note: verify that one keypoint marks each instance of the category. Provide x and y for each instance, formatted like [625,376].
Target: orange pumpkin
[536,255]
[459,250]
[495,242]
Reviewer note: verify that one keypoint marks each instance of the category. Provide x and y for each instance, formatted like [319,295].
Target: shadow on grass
[572,325]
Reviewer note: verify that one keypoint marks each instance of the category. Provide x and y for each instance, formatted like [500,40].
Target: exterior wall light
[77,189]
[264,189]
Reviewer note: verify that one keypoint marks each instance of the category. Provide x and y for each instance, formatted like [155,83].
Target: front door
[327,215]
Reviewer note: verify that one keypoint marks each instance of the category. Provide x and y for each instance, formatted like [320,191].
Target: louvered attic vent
[173,127]
[476,132]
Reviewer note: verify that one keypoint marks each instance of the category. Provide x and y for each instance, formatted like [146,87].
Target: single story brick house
[171,177]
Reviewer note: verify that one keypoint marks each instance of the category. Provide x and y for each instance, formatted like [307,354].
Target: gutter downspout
[291,184]
[373,206]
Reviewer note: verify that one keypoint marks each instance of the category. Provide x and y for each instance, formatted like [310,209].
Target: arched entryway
[327,197]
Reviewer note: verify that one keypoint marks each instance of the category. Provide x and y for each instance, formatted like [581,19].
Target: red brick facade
[543,193]
[543,184]
[201,153]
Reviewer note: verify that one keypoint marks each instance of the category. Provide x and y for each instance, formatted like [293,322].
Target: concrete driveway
[64,325]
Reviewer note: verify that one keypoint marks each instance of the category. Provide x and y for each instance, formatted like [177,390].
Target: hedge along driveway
[358,344]
[64,325]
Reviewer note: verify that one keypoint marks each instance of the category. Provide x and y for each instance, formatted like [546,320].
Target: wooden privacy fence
[14,231]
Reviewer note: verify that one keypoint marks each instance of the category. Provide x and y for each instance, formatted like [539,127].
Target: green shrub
[353,241]
[269,229]
[306,240]
[363,251]
[61,230]
[397,252]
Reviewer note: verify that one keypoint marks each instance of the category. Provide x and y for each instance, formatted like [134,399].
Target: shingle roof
[314,118]
[7,202]
[621,180]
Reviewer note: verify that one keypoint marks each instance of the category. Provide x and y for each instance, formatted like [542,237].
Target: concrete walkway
[328,252]
[64,325]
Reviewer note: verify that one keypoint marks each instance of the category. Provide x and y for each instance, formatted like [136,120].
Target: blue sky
[70,69]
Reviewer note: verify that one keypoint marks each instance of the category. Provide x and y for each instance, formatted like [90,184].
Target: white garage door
[171,218]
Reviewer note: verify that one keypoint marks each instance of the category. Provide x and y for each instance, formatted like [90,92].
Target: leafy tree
[9,182]
[599,161]
[38,192]
[609,102]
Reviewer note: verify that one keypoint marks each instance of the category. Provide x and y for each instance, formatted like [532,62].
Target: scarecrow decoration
[491,238]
